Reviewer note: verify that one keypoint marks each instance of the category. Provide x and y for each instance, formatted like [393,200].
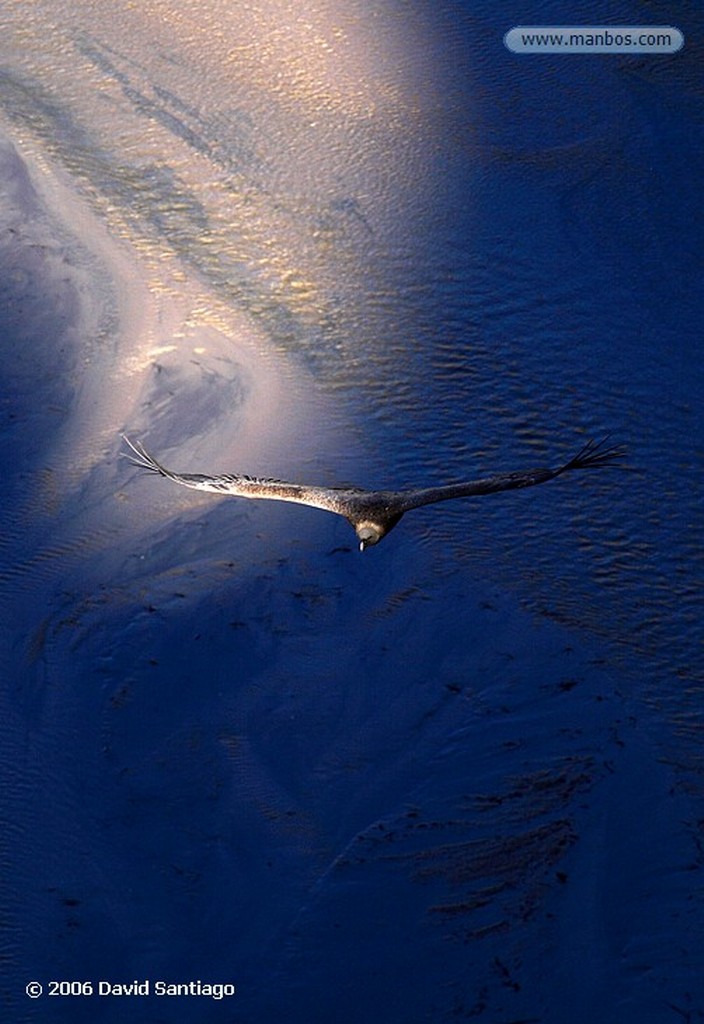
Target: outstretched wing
[594,455]
[240,486]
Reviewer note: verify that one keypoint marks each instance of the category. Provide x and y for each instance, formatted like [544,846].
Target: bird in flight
[373,514]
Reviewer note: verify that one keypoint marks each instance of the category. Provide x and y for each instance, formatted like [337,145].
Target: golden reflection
[242,170]
[266,143]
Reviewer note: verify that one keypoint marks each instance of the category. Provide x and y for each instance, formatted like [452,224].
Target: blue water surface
[456,777]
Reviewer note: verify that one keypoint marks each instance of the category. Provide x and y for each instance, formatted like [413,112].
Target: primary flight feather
[373,514]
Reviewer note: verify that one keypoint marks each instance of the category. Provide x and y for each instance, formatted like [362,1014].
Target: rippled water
[365,244]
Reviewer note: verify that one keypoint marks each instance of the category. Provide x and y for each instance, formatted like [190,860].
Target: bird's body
[372,514]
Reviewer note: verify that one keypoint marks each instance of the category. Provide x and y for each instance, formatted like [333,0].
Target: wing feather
[594,455]
[240,485]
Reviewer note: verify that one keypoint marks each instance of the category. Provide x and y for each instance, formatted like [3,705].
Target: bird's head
[368,534]
[375,526]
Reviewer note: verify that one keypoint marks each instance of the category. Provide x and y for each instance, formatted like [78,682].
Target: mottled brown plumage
[372,513]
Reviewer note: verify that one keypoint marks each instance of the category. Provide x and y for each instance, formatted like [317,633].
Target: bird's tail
[139,456]
[596,454]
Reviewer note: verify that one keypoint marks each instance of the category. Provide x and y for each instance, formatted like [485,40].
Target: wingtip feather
[598,454]
[139,456]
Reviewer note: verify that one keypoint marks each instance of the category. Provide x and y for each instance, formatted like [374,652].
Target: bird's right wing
[239,485]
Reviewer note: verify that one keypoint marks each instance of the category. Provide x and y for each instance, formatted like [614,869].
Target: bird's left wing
[238,485]
[594,455]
